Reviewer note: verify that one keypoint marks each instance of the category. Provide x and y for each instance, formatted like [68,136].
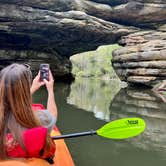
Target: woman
[19,125]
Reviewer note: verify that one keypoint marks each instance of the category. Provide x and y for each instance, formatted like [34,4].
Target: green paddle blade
[122,128]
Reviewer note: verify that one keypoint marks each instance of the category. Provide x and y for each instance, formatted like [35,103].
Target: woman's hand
[50,83]
[36,83]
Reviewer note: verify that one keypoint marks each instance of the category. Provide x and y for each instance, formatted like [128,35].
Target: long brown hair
[15,104]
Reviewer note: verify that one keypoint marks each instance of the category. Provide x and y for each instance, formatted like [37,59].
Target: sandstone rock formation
[143,59]
[27,27]
[57,29]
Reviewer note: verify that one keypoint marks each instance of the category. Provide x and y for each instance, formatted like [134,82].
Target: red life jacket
[34,140]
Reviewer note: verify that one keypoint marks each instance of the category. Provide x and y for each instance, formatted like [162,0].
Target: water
[89,104]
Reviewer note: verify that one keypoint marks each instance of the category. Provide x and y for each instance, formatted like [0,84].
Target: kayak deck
[62,154]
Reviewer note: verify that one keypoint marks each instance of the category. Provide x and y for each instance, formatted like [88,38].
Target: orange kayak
[62,154]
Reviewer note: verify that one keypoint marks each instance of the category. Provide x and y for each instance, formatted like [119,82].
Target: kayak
[62,154]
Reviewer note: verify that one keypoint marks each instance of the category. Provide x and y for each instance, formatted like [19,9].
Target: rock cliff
[52,30]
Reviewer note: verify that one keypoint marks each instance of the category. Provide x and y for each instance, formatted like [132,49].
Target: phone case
[44,71]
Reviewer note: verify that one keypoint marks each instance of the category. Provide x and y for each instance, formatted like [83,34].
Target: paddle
[118,129]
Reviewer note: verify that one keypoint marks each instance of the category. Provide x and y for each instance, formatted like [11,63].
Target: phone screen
[44,71]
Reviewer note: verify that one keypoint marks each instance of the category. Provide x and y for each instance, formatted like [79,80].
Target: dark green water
[89,104]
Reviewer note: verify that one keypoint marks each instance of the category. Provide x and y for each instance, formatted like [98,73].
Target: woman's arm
[36,84]
[51,104]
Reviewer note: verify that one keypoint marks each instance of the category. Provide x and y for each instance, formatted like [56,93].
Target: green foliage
[94,63]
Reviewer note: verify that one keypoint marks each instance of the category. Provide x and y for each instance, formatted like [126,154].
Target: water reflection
[149,106]
[108,102]
[94,95]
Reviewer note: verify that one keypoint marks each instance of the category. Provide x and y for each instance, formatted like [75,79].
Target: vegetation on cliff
[94,63]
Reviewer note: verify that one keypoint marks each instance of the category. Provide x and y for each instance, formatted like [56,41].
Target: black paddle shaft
[92,132]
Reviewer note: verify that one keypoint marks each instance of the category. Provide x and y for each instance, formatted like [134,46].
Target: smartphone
[44,71]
